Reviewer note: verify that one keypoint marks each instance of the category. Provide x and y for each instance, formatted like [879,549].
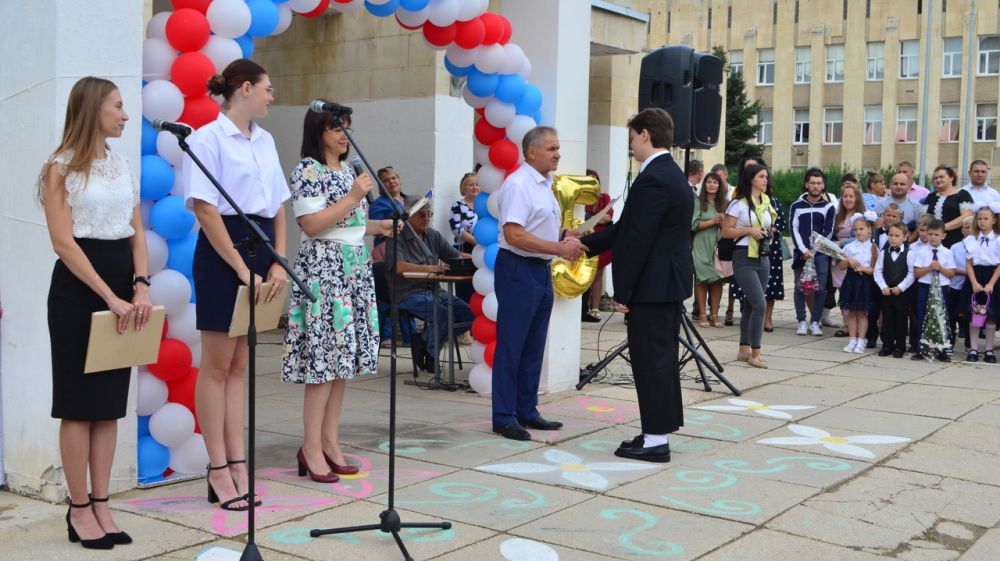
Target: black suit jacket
[651,242]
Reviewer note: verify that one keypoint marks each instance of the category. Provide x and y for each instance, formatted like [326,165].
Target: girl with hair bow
[982,257]
[856,290]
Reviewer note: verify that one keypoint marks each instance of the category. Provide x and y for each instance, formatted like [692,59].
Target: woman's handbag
[724,249]
[724,268]
[980,312]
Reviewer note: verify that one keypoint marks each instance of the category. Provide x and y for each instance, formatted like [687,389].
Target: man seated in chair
[423,298]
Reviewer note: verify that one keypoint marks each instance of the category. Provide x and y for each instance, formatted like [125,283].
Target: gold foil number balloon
[573,278]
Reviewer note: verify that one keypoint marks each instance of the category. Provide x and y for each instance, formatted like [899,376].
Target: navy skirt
[215,282]
[856,291]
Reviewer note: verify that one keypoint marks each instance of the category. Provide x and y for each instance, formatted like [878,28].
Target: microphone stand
[389,521]
[255,238]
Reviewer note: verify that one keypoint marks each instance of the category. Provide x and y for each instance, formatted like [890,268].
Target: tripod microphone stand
[389,521]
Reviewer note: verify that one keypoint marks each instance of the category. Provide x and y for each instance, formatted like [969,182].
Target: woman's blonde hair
[83,113]
[464,183]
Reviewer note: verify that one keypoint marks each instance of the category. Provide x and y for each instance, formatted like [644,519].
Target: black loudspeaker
[686,84]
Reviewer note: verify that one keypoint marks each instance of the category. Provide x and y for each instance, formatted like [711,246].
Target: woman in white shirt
[242,157]
[91,201]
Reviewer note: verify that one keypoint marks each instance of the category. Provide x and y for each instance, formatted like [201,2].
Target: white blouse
[860,251]
[248,169]
[103,203]
[740,210]
[982,250]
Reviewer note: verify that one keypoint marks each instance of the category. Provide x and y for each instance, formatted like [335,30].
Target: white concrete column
[48,46]
[555,34]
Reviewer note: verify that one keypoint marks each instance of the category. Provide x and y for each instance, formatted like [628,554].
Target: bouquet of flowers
[808,281]
[934,335]
[826,246]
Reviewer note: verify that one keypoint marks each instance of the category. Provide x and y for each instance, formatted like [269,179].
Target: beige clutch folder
[107,349]
[266,314]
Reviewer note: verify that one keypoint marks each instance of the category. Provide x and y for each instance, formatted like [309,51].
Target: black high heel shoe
[247,496]
[117,538]
[214,498]
[102,542]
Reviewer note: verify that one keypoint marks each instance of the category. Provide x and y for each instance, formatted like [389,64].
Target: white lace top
[102,208]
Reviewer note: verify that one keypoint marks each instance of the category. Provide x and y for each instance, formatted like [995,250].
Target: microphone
[359,168]
[177,129]
[320,106]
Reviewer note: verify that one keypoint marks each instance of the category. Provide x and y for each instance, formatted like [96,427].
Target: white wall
[48,45]
[607,153]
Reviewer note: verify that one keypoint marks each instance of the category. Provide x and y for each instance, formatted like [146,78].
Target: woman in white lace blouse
[91,202]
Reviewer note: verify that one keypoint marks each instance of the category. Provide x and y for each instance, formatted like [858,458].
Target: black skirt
[215,282]
[99,396]
[856,291]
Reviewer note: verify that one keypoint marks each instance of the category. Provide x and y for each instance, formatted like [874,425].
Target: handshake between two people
[570,247]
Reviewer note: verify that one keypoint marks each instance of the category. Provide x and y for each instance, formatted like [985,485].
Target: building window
[803,72]
[735,62]
[833,125]
[765,134]
[873,124]
[765,67]
[876,61]
[800,126]
[951,62]
[909,59]
[989,56]
[835,63]
[986,122]
[906,123]
[949,123]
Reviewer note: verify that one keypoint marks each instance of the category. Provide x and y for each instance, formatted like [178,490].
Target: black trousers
[895,316]
[653,331]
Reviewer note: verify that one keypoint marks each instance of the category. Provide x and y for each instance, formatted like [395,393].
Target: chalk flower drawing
[809,436]
[570,466]
[773,411]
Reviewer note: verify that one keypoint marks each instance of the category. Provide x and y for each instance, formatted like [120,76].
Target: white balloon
[171,425]
[156,251]
[144,207]
[157,58]
[490,178]
[482,281]
[178,189]
[481,379]
[484,6]
[284,19]
[493,204]
[467,10]
[348,8]
[513,59]
[519,127]
[526,69]
[474,100]
[190,456]
[170,289]
[195,354]
[482,153]
[461,57]
[412,19]
[491,59]
[222,50]
[161,99]
[443,13]
[182,326]
[167,148]
[500,114]
[229,18]
[157,26]
[477,256]
[490,306]
[303,6]
[477,351]
[151,392]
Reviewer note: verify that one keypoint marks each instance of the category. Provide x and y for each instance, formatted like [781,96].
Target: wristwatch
[142,279]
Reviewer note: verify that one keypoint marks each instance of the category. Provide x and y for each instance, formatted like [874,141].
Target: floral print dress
[336,337]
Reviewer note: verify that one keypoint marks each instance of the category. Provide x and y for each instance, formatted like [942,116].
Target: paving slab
[509,548]
[797,365]
[929,401]
[826,352]
[988,414]
[952,461]
[354,428]
[451,446]
[913,427]
[777,546]
[820,439]
[572,428]
[755,461]
[970,436]
[964,376]
[593,408]
[985,549]
[725,426]
[862,386]
[746,377]
[894,370]
[223,550]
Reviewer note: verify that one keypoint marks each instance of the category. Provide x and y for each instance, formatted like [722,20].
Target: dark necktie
[934,258]
[984,240]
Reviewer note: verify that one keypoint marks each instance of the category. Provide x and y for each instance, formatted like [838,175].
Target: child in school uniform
[894,276]
[929,260]
[915,246]
[892,214]
[856,290]
[960,293]
[981,266]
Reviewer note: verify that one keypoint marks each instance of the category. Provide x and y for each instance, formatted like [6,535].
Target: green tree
[741,117]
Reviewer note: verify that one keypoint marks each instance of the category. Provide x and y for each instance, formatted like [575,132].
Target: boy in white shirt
[931,260]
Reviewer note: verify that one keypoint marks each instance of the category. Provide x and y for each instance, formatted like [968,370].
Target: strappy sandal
[214,498]
[246,496]
[117,538]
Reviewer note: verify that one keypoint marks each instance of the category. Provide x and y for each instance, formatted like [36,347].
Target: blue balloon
[486,231]
[180,256]
[490,257]
[456,70]
[153,457]
[279,1]
[246,45]
[263,18]
[382,10]
[531,100]
[148,137]
[537,116]
[143,425]
[413,5]
[156,178]
[482,85]
[511,88]
[480,204]
[170,219]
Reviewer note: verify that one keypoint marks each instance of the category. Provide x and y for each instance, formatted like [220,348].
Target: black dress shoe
[540,423]
[590,319]
[512,431]
[634,443]
[659,454]
[898,354]
[885,351]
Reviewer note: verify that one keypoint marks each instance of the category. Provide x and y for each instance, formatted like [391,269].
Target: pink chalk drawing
[359,485]
[599,409]
[226,523]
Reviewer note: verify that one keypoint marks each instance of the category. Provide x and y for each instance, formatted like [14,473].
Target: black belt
[535,260]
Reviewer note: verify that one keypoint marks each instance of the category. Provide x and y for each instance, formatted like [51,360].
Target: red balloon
[503,154]
[481,111]
[200,5]
[493,28]
[199,111]
[187,30]
[508,30]
[484,330]
[168,472]
[488,134]
[173,362]
[476,304]
[181,390]
[320,10]
[404,26]
[190,73]
[470,33]
[491,349]
[439,36]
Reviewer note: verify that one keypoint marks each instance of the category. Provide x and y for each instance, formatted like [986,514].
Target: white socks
[650,440]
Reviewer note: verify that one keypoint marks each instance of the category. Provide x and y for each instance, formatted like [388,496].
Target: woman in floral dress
[335,338]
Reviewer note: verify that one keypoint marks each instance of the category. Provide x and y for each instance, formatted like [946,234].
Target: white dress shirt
[925,255]
[652,157]
[248,169]
[907,281]
[986,195]
[982,250]
[526,199]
